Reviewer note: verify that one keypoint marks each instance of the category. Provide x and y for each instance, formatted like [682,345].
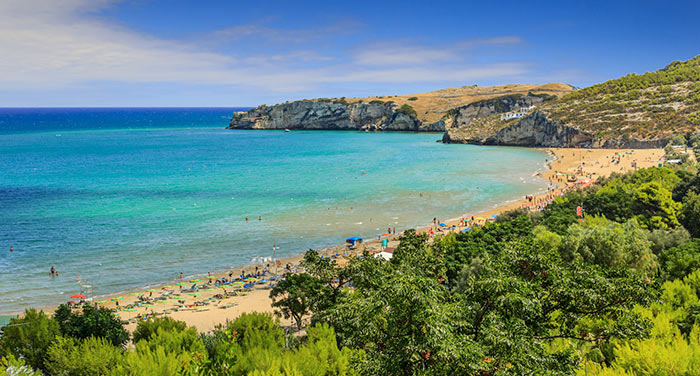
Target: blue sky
[231,53]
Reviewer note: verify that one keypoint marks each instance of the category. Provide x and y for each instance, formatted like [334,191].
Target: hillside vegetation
[651,105]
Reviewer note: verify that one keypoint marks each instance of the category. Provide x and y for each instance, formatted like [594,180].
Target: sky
[178,53]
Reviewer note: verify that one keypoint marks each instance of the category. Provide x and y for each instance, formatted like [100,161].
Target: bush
[408,110]
[92,356]
[29,338]
[413,98]
[93,322]
[678,262]
[11,366]
[609,244]
[690,214]
[148,328]
[662,239]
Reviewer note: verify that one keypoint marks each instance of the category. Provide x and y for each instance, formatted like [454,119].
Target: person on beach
[181,276]
[53,271]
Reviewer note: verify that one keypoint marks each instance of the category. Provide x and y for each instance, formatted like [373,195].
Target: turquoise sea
[131,197]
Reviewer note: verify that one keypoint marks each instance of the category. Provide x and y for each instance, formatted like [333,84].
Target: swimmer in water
[246,218]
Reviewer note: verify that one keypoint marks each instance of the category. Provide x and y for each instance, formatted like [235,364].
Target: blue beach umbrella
[467,229]
[443,225]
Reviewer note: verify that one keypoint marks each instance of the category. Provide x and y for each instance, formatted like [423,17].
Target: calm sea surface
[130,197]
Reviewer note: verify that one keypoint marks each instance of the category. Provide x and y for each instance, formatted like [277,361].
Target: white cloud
[49,44]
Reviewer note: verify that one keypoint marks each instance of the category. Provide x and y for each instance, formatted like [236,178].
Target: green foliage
[92,322]
[296,296]
[148,328]
[91,356]
[11,366]
[413,99]
[690,214]
[689,183]
[663,239]
[29,337]
[407,109]
[678,262]
[609,244]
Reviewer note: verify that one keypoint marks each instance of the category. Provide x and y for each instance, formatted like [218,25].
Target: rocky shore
[475,123]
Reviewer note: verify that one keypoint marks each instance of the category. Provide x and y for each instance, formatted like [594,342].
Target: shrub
[678,262]
[413,98]
[92,322]
[29,337]
[148,328]
[407,109]
[690,214]
[91,356]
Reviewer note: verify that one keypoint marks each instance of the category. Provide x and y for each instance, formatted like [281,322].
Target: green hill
[648,106]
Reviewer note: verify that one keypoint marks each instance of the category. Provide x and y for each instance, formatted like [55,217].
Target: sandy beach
[207,305]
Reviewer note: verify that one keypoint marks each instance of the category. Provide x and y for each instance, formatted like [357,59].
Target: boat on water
[286,130]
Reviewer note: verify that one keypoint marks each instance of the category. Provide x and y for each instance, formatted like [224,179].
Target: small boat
[286,130]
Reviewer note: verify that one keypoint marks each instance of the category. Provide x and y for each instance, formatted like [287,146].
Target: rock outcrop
[458,124]
[332,115]
[536,129]
[462,116]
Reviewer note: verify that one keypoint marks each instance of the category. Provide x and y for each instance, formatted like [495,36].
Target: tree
[91,356]
[678,262]
[296,296]
[654,206]
[609,244]
[11,366]
[690,214]
[146,329]
[29,337]
[93,322]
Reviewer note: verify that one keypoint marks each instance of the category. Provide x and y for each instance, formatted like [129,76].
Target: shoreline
[204,317]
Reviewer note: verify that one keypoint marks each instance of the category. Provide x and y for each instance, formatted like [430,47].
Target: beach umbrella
[151,290]
[264,281]
[443,225]
[211,277]
[195,280]
[238,283]
[467,229]
[102,301]
[252,279]
[77,296]
[195,294]
[136,294]
[479,219]
[181,284]
[494,215]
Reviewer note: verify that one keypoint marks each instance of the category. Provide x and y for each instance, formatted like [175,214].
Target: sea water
[130,197]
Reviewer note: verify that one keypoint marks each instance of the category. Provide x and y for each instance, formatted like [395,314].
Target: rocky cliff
[462,116]
[333,115]
[536,129]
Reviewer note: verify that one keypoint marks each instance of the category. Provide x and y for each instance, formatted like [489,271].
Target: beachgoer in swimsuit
[53,271]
